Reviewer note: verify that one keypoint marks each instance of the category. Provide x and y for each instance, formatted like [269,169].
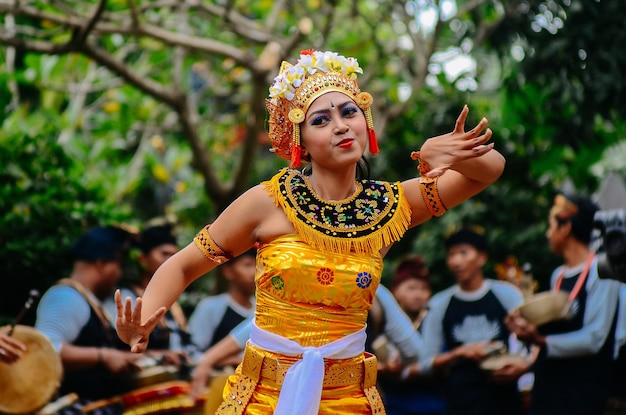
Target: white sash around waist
[302,388]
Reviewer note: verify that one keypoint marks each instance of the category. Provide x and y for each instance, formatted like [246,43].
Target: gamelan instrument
[167,398]
[163,398]
[30,383]
[151,373]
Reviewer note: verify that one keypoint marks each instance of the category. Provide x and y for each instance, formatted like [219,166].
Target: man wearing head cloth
[71,314]
[574,367]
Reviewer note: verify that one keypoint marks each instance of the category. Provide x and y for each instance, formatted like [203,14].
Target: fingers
[136,317]
[486,136]
[155,317]
[12,343]
[459,127]
[479,127]
[118,303]
[478,144]
[437,172]
[8,356]
[139,347]
[128,309]
[473,138]
[482,149]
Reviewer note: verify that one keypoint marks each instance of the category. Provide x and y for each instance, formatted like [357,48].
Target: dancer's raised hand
[443,152]
[128,323]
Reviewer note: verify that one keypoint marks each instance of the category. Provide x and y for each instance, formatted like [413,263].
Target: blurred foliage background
[122,111]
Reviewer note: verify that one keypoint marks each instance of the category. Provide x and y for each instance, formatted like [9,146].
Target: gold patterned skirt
[349,385]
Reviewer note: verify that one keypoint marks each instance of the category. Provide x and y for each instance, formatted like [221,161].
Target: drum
[30,383]
[164,398]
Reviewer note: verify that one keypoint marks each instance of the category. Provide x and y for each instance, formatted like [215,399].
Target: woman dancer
[321,237]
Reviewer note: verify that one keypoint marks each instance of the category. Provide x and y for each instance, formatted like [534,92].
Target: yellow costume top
[315,287]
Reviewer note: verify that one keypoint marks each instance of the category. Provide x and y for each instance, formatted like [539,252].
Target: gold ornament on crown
[297,86]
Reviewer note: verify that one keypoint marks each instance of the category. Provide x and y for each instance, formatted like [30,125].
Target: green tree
[43,206]
[144,90]
[161,102]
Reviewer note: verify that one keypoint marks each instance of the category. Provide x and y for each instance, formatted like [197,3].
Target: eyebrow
[327,110]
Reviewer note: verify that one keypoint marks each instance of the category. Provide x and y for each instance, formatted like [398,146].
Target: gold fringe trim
[175,403]
[380,236]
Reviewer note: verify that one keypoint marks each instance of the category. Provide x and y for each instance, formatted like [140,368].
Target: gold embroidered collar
[376,215]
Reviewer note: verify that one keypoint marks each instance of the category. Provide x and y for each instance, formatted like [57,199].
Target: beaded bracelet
[430,193]
[422,167]
[209,248]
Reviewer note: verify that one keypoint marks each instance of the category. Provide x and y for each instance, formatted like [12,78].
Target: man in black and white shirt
[464,323]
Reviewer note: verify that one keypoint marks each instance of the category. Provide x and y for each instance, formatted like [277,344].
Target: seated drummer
[96,365]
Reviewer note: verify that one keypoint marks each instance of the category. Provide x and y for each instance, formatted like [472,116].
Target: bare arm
[115,361]
[234,231]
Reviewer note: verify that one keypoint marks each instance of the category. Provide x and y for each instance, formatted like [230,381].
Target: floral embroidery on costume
[364,279]
[277,282]
[325,276]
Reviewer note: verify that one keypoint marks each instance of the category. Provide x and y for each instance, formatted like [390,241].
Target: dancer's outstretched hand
[128,323]
[444,151]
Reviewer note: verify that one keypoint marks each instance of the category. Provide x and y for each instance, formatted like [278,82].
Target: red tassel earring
[296,153]
[373,143]
[296,148]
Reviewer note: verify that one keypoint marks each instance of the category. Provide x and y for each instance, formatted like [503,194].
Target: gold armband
[430,193]
[209,248]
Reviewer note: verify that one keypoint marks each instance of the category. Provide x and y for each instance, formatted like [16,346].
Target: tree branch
[171,38]
[82,34]
[147,85]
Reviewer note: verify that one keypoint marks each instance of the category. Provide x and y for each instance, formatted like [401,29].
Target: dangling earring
[296,116]
[364,100]
[296,149]
[373,142]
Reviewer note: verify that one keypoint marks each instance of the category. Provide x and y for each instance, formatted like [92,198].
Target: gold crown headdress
[297,86]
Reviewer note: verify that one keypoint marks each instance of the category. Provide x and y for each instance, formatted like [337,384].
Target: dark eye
[319,120]
[348,111]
